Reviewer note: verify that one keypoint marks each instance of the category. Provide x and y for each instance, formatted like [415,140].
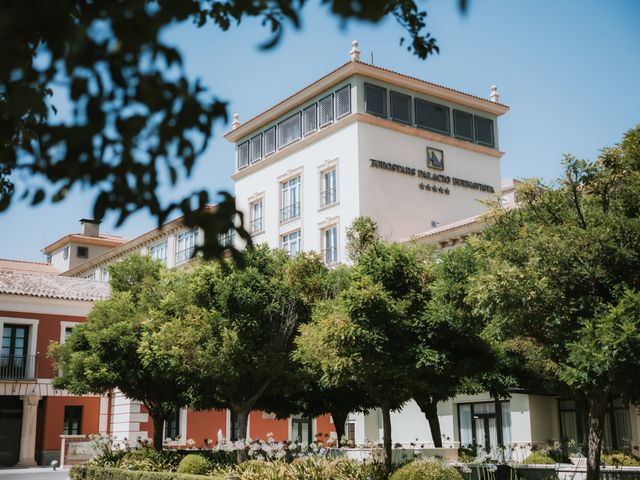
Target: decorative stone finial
[495,96]
[236,120]
[355,52]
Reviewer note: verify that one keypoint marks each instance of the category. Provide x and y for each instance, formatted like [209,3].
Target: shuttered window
[432,116]
[289,130]
[484,131]
[400,107]
[310,119]
[325,110]
[243,154]
[255,149]
[343,101]
[375,100]
[269,140]
[463,125]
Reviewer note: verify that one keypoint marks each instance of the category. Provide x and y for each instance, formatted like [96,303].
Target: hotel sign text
[439,178]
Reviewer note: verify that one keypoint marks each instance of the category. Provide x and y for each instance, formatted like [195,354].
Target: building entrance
[10,427]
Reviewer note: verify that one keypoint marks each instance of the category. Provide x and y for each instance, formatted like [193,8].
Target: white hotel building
[416,157]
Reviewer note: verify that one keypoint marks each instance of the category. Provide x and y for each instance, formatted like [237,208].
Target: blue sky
[569,70]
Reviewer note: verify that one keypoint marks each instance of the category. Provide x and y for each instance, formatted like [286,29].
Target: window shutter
[463,125]
[310,119]
[269,139]
[343,101]
[289,130]
[375,100]
[484,131]
[256,148]
[400,107]
[325,107]
[432,116]
[243,154]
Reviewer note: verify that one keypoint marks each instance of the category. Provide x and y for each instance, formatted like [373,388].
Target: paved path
[33,474]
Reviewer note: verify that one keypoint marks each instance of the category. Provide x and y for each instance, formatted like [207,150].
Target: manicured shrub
[620,459]
[425,470]
[151,460]
[539,458]
[194,464]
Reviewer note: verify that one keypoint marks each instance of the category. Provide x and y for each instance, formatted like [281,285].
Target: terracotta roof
[361,68]
[101,240]
[129,246]
[49,286]
[10,265]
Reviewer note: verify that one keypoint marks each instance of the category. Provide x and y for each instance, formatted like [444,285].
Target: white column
[28,434]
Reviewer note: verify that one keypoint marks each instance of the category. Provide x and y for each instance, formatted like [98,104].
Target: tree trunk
[241,416]
[430,409]
[158,430]
[595,421]
[386,443]
[339,420]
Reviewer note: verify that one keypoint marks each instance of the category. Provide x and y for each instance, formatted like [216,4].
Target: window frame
[252,204]
[475,131]
[155,247]
[393,93]
[368,85]
[285,217]
[178,253]
[284,244]
[325,248]
[455,133]
[426,127]
[74,408]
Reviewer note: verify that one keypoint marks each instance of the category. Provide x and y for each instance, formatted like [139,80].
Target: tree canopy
[560,284]
[137,120]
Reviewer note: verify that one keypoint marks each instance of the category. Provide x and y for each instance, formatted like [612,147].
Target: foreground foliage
[423,469]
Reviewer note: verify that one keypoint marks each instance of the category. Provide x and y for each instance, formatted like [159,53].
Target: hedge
[89,472]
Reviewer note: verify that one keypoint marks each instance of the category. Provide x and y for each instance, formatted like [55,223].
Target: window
[301,429]
[226,239]
[172,425]
[290,200]
[243,154]
[255,148]
[400,107]
[617,424]
[83,252]
[49,258]
[291,243]
[256,216]
[432,116]
[375,100]
[343,101]
[325,110]
[104,274]
[14,360]
[329,191]
[159,251]
[289,130]
[310,119]
[185,245]
[463,125]
[485,425]
[65,252]
[269,140]
[484,131]
[330,245]
[90,276]
[72,420]
[67,331]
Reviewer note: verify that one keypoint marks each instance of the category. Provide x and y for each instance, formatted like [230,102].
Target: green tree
[364,337]
[560,284]
[451,355]
[112,349]
[234,330]
[136,116]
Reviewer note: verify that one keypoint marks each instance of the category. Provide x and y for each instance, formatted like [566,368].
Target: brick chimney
[90,227]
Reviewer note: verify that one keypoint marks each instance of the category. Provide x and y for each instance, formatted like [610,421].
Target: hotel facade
[419,159]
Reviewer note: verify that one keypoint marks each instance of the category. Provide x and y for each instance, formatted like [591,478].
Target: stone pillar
[28,434]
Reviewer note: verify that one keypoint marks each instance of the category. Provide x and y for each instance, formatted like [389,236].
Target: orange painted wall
[205,424]
[54,418]
[324,426]
[48,331]
[259,427]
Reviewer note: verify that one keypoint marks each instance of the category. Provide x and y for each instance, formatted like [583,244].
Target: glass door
[301,429]
[13,359]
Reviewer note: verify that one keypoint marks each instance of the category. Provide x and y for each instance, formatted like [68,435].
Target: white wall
[340,146]
[395,200]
